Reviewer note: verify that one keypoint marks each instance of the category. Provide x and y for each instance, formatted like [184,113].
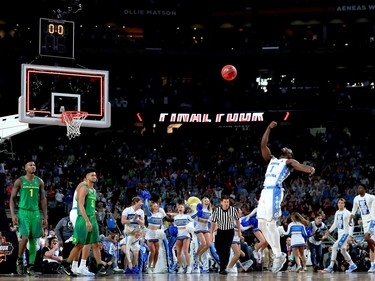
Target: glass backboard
[47,91]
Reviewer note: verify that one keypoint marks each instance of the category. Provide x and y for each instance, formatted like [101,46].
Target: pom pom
[200,206]
[200,213]
[308,232]
[145,195]
[245,223]
[135,270]
[190,227]
[160,234]
[254,222]
[173,230]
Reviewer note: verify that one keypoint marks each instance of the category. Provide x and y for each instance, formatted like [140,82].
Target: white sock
[75,264]
[82,264]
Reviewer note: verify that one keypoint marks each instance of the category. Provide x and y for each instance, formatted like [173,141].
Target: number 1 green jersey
[29,194]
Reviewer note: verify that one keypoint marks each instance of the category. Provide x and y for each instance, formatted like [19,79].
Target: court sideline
[255,276]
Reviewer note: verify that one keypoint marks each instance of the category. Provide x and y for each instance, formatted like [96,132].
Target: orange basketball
[229,72]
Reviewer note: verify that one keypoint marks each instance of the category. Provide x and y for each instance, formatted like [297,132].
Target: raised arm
[266,152]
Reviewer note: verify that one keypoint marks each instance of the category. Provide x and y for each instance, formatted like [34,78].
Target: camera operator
[359,254]
[64,232]
[314,243]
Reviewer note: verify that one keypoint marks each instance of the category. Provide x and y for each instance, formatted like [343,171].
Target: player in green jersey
[31,190]
[86,229]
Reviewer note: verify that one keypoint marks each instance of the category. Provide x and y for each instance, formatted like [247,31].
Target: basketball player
[86,229]
[31,189]
[268,211]
[82,269]
[344,230]
[362,203]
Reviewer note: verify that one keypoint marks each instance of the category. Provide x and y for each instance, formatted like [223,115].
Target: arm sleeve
[334,225]
[351,228]
[355,206]
[58,230]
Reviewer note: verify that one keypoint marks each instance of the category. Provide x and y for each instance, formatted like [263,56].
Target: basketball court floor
[254,276]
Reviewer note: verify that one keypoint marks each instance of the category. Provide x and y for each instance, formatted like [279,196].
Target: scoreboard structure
[56,38]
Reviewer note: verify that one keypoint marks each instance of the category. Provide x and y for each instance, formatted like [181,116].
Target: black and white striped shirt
[225,219]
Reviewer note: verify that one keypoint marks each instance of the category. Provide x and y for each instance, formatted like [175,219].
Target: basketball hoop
[73,121]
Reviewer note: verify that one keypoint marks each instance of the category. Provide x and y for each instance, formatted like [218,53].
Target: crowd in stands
[210,164]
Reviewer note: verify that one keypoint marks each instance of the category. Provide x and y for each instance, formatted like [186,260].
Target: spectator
[287,249]
[108,260]
[52,256]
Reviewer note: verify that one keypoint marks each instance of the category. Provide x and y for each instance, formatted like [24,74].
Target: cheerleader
[236,248]
[155,216]
[133,245]
[297,231]
[202,231]
[181,221]
[262,243]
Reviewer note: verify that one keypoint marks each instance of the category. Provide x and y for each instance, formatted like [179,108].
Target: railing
[357,235]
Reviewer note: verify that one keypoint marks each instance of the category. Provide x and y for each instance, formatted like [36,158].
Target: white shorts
[366,226]
[269,204]
[73,216]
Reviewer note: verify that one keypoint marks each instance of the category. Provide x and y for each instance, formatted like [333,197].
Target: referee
[223,218]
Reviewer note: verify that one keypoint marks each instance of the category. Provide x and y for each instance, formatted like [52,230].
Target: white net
[73,121]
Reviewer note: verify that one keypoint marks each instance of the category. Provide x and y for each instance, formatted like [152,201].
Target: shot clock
[56,38]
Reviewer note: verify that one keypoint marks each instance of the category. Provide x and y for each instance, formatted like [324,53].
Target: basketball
[229,72]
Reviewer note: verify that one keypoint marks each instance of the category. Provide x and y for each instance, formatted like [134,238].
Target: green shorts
[81,235]
[30,224]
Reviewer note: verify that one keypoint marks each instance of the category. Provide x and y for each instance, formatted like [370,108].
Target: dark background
[319,55]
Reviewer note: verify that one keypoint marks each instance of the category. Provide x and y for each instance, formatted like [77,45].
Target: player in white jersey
[73,212]
[268,211]
[362,203]
[341,222]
